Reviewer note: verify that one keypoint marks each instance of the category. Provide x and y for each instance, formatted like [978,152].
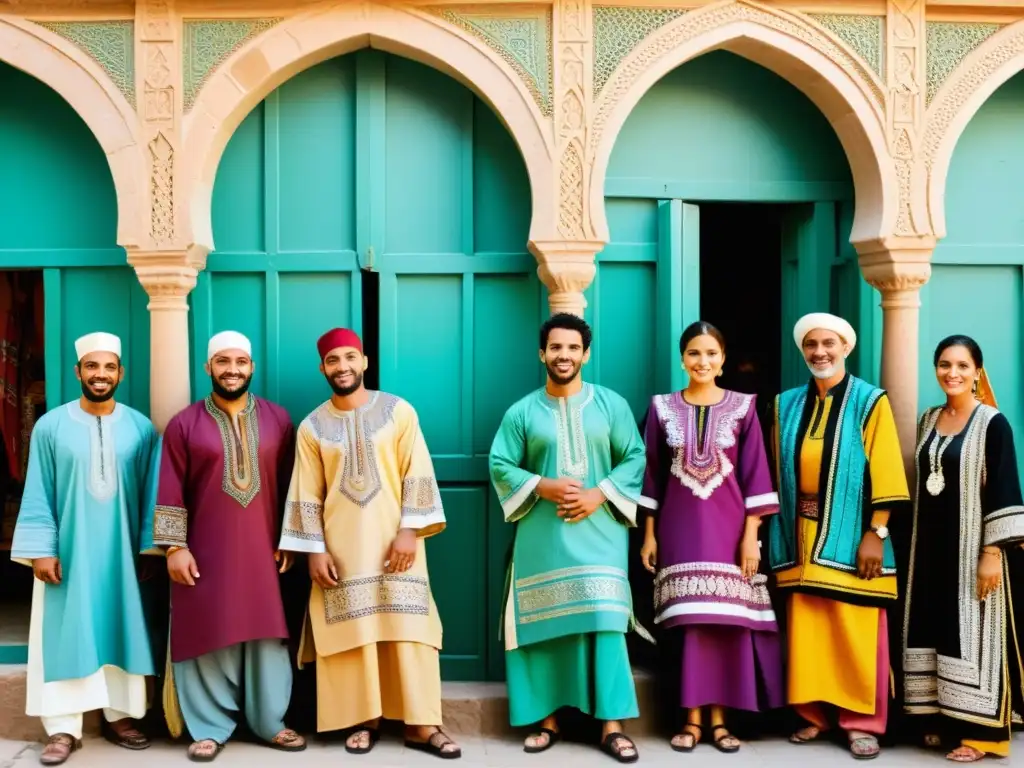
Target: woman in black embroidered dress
[960,651]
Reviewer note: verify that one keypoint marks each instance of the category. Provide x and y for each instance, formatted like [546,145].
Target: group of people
[232,492]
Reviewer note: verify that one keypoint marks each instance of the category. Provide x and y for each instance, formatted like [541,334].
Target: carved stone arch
[970,85]
[251,73]
[828,72]
[83,84]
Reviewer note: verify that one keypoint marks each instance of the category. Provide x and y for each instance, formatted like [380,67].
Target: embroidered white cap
[827,322]
[97,342]
[227,340]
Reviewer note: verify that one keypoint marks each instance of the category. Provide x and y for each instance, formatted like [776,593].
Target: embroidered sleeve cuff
[1004,526]
[421,506]
[762,504]
[170,526]
[303,529]
[625,506]
[516,506]
[651,505]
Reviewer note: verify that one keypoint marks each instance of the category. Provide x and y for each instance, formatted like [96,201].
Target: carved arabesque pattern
[864,34]
[962,84]
[620,29]
[162,189]
[111,44]
[523,41]
[570,210]
[695,23]
[575,51]
[206,44]
[949,43]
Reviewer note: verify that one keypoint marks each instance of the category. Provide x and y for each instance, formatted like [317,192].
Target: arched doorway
[977,281]
[62,275]
[373,192]
[729,198]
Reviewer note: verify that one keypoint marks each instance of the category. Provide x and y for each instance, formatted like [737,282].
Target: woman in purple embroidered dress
[708,474]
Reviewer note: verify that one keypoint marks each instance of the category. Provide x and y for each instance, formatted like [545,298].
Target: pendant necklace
[936,482]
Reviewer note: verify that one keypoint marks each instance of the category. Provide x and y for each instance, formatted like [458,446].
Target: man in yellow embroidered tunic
[837,456]
[363,498]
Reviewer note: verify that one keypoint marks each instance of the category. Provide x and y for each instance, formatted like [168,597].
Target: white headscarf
[824,321]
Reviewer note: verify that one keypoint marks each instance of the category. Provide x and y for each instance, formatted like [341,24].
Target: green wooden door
[376,193]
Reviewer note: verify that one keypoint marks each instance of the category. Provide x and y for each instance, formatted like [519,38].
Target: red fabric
[338,337]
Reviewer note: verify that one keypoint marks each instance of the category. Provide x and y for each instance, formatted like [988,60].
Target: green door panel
[976,282]
[374,162]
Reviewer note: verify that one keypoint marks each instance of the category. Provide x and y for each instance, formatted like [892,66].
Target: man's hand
[285,559]
[322,570]
[580,504]
[555,490]
[869,556]
[47,569]
[649,553]
[182,567]
[402,554]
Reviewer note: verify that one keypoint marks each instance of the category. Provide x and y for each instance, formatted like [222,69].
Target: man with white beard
[838,461]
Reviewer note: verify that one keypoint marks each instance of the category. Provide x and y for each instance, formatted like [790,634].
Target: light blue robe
[89,496]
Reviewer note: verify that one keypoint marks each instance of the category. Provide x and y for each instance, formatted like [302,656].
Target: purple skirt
[730,666]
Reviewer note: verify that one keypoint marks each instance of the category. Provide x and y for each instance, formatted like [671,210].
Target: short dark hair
[567,322]
[959,340]
[700,328]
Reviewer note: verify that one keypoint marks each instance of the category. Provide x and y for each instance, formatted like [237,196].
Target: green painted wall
[977,285]
[719,129]
[60,214]
[374,161]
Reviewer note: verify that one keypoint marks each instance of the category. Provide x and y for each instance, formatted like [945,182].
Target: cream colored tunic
[359,477]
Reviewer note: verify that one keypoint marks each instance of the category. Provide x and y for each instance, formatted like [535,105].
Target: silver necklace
[936,482]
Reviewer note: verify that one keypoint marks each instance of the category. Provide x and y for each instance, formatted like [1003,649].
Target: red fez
[337,337]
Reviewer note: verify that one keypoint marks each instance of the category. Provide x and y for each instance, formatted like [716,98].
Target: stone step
[472,709]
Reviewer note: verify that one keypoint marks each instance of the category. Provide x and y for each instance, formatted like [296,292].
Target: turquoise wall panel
[238,194]
[499,177]
[723,128]
[976,283]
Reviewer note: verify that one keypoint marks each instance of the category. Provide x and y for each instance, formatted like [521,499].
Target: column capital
[566,267]
[167,276]
[897,267]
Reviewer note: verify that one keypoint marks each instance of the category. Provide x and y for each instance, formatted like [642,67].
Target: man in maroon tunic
[224,471]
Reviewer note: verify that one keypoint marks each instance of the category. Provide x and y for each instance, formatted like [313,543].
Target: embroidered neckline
[241,480]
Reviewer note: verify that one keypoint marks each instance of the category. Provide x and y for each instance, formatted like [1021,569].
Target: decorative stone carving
[111,44]
[206,44]
[864,34]
[695,23]
[160,107]
[521,36]
[905,75]
[574,49]
[567,268]
[948,44]
[897,267]
[620,29]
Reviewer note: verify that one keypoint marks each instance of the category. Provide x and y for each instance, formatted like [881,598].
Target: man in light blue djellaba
[568,465]
[86,513]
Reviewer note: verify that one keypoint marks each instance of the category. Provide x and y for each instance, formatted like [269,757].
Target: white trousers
[60,704]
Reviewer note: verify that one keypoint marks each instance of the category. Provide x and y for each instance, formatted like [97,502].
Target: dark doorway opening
[740,292]
[371,327]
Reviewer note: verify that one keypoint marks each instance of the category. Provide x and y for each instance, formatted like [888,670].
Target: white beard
[823,373]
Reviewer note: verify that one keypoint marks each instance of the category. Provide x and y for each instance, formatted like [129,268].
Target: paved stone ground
[489,753]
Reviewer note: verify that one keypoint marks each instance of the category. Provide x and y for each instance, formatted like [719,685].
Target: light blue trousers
[213,688]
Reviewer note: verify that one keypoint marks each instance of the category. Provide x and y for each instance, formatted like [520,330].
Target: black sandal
[695,737]
[718,742]
[608,746]
[131,738]
[432,747]
[553,737]
[359,750]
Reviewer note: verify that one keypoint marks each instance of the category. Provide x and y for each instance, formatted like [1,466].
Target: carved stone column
[567,268]
[168,277]
[898,267]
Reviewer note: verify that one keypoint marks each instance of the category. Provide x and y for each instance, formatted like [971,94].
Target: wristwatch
[881,532]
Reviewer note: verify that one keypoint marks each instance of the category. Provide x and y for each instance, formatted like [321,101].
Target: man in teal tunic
[568,465]
[86,513]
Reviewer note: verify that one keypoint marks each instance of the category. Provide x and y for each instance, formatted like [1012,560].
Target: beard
[823,373]
[563,379]
[97,397]
[230,394]
[345,391]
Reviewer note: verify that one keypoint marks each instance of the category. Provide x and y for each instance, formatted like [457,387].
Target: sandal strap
[443,742]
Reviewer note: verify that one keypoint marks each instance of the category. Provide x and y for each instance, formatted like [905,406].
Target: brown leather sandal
[59,748]
[288,741]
